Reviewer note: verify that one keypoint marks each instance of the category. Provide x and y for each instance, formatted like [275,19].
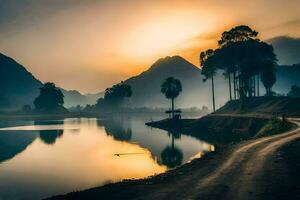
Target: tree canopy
[244,58]
[237,34]
[171,87]
[115,96]
[50,97]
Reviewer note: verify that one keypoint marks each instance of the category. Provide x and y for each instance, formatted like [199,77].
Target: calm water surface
[39,159]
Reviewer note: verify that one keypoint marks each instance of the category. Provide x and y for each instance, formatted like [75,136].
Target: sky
[90,45]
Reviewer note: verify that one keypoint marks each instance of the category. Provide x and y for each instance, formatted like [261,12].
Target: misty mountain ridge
[146,86]
[19,87]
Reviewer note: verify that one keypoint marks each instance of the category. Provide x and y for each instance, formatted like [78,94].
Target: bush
[274,126]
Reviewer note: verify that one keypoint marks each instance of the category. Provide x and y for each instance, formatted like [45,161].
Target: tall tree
[50,98]
[268,77]
[171,88]
[209,70]
[237,34]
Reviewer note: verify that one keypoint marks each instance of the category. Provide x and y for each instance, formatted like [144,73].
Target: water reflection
[101,151]
[13,143]
[172,156]
[118,128]
[50,136]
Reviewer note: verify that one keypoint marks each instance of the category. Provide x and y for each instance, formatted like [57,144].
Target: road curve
[238,176]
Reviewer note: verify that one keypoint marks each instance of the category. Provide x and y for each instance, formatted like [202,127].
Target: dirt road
[239,176]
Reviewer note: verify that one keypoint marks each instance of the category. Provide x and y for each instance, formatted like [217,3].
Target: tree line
[245,61]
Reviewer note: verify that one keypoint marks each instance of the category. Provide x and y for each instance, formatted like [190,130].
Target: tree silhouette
[209,70]
[243,56]
[50,136]
[172,156]
[115,96]
[237,34]
[268,77]
[50,98]
[171,88]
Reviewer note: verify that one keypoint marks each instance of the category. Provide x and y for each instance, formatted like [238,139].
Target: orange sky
[89,45]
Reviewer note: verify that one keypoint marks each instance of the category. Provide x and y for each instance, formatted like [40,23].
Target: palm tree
[172,156]
[209,70]
[171,88]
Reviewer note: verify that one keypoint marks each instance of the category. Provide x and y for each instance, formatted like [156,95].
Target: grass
[274,126]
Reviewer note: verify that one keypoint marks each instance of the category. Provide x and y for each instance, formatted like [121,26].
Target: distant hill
[287,75]
[287,49]
[146,86]
[19,87]
[74,98]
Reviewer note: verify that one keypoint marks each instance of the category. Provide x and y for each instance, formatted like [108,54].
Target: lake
[42,158]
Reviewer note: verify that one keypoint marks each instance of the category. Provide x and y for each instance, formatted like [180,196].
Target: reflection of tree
[14,142]
[119,129]
[50,136]
[172,156]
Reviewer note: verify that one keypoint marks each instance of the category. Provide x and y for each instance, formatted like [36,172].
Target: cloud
[287,49]
[286,24]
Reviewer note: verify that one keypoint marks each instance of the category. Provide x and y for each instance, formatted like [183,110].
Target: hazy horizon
[91,45]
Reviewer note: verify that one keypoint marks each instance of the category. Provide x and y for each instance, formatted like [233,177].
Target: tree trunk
[254,85]
[258,84]
[234,85]
[173,141]
[172,108]
[213,92]
[229,79]
[267,91]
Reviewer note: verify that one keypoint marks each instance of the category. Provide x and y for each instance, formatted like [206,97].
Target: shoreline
[136,188]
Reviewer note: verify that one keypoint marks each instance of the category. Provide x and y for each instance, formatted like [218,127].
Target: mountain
[19,87]
[287,49]
[195,92]
[287,75]
[74,98]
[146,86]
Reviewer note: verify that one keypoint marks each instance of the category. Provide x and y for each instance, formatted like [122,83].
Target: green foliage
[50,97]
[274,126]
